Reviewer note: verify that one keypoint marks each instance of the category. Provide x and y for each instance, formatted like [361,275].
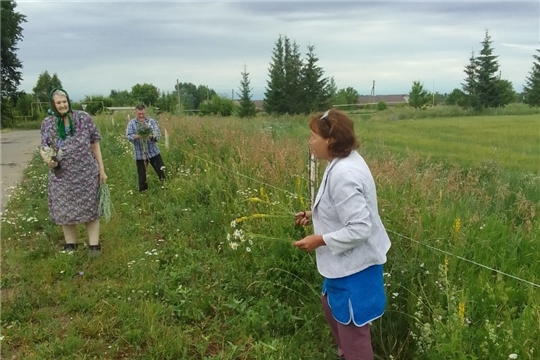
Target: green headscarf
[59,117]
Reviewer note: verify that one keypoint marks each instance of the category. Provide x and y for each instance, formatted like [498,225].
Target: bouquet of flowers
[51,153]
[145,131]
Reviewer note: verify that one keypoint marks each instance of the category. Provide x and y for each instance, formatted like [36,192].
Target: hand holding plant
[52,156]
[145,131]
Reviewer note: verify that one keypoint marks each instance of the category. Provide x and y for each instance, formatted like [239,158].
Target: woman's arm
[96,149]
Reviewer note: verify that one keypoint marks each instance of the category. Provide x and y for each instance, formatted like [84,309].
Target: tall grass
[203,268]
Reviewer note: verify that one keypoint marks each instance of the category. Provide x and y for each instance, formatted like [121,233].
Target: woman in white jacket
[349,238]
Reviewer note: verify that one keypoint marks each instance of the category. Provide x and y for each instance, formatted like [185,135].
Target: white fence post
[312,177]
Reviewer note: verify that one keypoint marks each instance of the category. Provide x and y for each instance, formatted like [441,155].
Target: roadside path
[16,151]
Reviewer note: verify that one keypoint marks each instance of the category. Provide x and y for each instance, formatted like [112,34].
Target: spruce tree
[418,96]
[332,91]
[470,87]
[247,107]
[274,96]
[315,88]
[487,67]
[293,73]
[532,83]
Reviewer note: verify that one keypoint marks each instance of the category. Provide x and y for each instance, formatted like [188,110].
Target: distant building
[388,99]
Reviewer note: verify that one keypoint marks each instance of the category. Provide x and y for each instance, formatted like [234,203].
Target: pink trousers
[354,343]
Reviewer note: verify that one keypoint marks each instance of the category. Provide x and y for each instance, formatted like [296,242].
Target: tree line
[296,84]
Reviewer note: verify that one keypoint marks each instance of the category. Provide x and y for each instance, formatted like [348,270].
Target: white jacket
[345,212]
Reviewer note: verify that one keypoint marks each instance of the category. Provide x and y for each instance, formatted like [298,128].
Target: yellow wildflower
[240,219]
[263,194]
[461,311]
[302,204]
[457,225]
[258,216]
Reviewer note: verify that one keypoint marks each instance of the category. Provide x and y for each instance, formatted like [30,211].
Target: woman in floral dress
[75,173]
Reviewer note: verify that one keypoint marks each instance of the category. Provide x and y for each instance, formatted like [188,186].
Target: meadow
[203,267]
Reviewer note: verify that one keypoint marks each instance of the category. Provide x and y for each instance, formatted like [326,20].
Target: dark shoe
[69,248]
[94,250]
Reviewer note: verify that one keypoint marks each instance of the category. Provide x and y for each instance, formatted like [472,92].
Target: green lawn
[512,142]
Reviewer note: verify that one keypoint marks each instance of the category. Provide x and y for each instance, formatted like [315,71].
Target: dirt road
[17,149]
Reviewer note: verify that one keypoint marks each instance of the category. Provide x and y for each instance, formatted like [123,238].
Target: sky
[98,46]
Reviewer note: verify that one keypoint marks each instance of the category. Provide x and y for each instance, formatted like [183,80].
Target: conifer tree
[274,96]
[418,96]
[315,88]
[293,73]
[487,74]
[247,107]
[532,83]
[471,84]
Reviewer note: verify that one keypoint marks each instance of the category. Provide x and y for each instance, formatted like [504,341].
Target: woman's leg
[354,343]
[70,233]
[92,228]
[332,322]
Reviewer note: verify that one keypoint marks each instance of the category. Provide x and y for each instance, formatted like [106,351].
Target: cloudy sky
[98,46]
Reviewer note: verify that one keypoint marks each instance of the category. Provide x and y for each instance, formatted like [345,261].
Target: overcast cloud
[99,46]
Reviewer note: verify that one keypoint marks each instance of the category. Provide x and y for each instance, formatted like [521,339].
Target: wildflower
[233,223]
[239,220]
[461,311]
[248,249]
[255,199]
[238,234]
[457,225]
[258,216]
[512,356]
[263,194]
[233,245]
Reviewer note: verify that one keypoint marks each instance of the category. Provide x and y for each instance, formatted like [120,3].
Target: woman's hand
[102,176]
[302,217]
[310,243]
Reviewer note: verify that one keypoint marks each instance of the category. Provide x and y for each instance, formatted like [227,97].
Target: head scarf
[60,118]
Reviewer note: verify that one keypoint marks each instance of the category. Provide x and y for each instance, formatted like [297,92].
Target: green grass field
[203,268]
[512,142]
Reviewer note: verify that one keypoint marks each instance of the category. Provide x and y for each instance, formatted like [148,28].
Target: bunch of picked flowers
[51,153]
[272,225]
[144,131]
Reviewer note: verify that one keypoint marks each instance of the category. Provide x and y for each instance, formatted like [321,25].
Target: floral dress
[74,185]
